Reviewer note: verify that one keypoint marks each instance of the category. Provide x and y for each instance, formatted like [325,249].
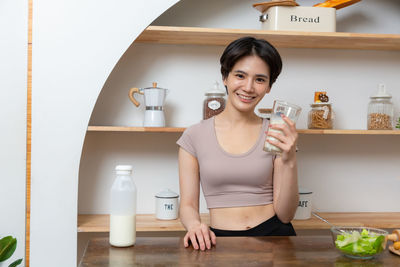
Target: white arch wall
[76,44]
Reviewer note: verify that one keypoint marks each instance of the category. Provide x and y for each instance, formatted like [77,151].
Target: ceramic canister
[167,205]
[303,211]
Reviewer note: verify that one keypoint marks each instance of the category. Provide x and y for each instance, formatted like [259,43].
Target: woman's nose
[248,87]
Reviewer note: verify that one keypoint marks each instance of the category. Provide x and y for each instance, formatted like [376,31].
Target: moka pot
[154,98]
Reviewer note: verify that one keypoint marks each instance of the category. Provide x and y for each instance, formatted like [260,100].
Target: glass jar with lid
[321,116]
[214,102]
[380,110]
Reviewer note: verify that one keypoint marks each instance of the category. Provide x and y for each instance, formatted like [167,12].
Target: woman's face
[247,83]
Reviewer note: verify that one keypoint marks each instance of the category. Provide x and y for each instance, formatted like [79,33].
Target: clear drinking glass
[280,107]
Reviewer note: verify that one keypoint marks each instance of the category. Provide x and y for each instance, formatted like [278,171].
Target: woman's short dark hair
[247,46]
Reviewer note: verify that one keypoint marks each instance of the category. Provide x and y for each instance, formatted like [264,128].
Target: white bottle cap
[216,90]
[123,169]
[381,92]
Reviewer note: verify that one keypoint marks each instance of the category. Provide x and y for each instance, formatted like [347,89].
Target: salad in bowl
[359,242]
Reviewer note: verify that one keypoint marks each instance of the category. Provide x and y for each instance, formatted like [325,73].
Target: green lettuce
[364,244]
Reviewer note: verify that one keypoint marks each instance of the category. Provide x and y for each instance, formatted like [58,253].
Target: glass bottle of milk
[123,208]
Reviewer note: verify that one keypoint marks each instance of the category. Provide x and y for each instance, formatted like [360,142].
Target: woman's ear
[224,82]
[268,89]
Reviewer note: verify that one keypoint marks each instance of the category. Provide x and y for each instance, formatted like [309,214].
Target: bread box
[297,18]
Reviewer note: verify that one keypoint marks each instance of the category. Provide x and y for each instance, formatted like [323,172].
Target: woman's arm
[286,192]
[198,233]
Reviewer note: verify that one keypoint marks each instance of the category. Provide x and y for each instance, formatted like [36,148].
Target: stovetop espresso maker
[154,98]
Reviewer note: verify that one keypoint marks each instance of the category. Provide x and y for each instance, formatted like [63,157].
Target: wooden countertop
[149,223]
[229,251]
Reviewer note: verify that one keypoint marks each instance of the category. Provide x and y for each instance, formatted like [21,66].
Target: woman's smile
[245,98]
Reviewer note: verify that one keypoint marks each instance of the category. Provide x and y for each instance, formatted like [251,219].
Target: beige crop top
[230,180]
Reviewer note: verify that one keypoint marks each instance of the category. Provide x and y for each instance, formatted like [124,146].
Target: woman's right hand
[200,236]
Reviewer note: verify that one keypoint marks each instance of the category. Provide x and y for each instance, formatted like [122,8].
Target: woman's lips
[244,98]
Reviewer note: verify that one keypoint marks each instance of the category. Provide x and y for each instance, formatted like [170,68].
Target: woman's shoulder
[199,127]
[195,136]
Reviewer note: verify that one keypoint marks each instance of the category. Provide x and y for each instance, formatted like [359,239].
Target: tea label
[214,105]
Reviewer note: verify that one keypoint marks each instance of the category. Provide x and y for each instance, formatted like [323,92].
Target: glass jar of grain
[380,110]
[321,116]
[214,102]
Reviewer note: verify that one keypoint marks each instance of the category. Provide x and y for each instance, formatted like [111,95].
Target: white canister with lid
[303,211]
[167,205]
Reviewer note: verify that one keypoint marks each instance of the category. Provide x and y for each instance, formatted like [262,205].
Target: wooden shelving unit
[288,39]
[148,222]
[180,130]
[292,39]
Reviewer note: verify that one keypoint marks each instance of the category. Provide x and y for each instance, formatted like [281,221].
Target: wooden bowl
[394,251]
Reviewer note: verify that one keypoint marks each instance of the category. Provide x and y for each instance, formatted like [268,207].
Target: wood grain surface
[229,251]
[292,39]
[149,223]
[181,129]
[28,138]
[135,129]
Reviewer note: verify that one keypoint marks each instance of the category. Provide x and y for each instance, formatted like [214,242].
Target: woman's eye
[261,80]
[240,76]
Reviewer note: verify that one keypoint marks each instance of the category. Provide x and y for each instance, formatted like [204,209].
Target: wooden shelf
[180,130]
[289,39]
[362,132]
[148,222]
[144,223]
[135,129]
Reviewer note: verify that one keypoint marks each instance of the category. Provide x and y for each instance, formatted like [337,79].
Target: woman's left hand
[286,139]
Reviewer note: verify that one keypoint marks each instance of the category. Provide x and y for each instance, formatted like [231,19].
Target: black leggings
[271,227]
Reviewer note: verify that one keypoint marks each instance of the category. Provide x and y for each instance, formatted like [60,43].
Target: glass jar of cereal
[380,110]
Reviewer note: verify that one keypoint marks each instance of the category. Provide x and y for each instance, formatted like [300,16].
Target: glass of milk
[289,110]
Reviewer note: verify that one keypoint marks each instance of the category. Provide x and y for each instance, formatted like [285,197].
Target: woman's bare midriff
[240,218]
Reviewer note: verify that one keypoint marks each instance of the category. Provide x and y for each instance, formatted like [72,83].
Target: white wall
[76,44]
[344,168]
[13,93]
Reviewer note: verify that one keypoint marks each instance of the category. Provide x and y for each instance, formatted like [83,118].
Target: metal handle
[319,217]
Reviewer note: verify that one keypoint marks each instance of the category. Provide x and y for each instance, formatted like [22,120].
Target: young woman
[248,191]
